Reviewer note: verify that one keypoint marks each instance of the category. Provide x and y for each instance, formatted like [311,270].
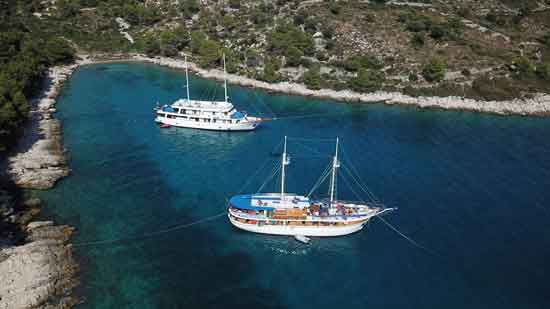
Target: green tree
[270,74]
[312,79]
[189,7]
[293,56]
[417,40]
[367,80]
[67,8]
[327,30]
[335,7]
[354,63]
[286,36]
[434,71]
[197,38]
[210,53]
[151,45]
[438,32]
[20,104]
[524,68]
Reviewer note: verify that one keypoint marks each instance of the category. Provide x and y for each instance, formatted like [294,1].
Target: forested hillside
[27,50]
[493,49]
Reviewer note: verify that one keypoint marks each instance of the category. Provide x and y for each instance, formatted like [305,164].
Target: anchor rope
[273,115]
[410,240]
[320,115]
[150,234]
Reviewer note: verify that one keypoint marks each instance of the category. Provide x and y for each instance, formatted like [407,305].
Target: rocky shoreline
[39,161]
[537,105]
[37,269]
[36,264]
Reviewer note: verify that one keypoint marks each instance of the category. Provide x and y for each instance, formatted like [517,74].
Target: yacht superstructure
[207,115]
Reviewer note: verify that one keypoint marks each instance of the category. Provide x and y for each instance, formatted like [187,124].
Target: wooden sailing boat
[284,213]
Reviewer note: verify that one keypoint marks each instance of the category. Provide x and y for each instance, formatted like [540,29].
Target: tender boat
[297,215]
[207,115]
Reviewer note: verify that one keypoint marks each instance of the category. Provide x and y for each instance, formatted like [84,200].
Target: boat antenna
[187,77]
[335,165]
[284,162]
[224,78]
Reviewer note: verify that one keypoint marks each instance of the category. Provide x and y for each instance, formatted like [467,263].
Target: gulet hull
[243,126]
[292,230]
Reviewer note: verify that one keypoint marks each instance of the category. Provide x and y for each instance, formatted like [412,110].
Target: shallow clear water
[473,189]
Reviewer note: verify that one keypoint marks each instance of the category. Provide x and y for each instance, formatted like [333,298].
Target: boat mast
[284,162]
[224,79]
[335,165]
[187,78]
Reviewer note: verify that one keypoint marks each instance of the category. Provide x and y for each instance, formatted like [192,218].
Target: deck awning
[244,202]
[167,109]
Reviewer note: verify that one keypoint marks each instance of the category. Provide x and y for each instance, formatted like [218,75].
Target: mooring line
[147,235]
[412,241]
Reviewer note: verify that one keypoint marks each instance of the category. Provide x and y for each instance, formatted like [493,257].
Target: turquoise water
[473,189]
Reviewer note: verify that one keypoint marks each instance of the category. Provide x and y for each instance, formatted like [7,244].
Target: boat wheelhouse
[207,115]
[297,215]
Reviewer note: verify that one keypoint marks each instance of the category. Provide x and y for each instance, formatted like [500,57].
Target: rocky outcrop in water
[37,269]
[39,273]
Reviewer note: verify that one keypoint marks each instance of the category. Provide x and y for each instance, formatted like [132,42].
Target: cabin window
[176,110]
[162,115]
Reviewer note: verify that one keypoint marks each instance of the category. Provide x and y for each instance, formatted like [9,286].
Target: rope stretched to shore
[305,116]
[148,235]
[412,241]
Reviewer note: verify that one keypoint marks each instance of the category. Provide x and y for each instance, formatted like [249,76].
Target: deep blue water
[473,189]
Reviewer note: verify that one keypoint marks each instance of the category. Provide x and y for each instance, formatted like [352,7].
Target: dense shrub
[524,68]
[286,37]
[293,56]
[366,80]
[355,63]
[417,40]
[434,71]
[24,57]
[270,74]
[312,79]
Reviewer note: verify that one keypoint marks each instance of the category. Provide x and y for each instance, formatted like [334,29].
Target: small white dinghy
[302,239]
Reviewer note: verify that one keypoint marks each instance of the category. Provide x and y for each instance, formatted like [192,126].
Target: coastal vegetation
[27,51]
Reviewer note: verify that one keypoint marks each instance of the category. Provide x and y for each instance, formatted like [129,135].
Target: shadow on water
[119,191]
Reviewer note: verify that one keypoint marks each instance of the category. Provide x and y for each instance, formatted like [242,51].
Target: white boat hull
[292,230]
[215,126]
